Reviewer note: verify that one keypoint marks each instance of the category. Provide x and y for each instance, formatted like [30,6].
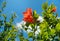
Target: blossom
[28,15]
[54,9]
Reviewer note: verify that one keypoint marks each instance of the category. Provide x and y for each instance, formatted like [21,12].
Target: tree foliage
[49,27]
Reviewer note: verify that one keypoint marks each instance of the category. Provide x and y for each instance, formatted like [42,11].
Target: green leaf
[26,40]
[30,34]
[44,6]
[51,6]
[4,16]
[50,15]
[32,25]
[21,37]
[3,4]
[0,11]
[52,31]
[43,13]
[49,11]
[45,35]
[8,24]
[56,14]
[41,40]
[14,15]
[35,15]
[26,29]
[27,24]
[43,25]
[58,27]
[1,22]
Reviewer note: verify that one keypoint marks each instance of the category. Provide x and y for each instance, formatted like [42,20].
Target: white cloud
[40,19]
[29,30]
[19,25]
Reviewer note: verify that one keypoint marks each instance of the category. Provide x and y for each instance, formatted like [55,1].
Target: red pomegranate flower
[54,9]
[28,15]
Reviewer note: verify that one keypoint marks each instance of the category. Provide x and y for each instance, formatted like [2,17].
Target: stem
[34,32]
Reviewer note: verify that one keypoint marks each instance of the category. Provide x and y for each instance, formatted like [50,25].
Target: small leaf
[58,27]
[44,6]
[52,31]
[32,25]
[26,29]
[4,4]
[35,15]
[30,34]
[4,16]
[43,25]
[1,22]
[8,24]
[0,11]
[27,24]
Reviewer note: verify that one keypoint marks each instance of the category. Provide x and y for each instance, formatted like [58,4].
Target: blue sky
[20,6]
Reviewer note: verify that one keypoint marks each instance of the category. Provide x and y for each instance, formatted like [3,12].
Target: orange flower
[29,10]
[28,15]
[54,9]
